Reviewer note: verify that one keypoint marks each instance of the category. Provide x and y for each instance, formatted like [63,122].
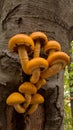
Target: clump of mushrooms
[39,68]
[16,99]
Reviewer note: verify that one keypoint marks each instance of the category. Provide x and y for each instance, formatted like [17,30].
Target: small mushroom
[40,83]
[57,62]
[51,47]
[35,64]
[35,101]
[16,99]
[23,45]
[40,39]
[59,57]
[28,89]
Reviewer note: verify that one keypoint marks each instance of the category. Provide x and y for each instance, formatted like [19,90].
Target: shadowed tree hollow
[55,19]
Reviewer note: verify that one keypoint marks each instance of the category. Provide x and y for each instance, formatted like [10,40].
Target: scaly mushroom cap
[21,40]
[15,98]
[37,99]
[52,45]
[58,57]
[37,63]
[39,36]
[27,88]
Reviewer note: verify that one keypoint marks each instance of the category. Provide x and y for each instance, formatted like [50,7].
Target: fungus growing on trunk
[16,99]
[51,47]
[57,62]
[27,89]
[35,64]
[40,39]
[23,45]
[35,101]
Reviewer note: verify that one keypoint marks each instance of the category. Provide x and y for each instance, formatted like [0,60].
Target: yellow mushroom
[23,45]
[40,39]
[57,62]
[35,64]
[35,101]
[16,99]
[51,47]
[27,89]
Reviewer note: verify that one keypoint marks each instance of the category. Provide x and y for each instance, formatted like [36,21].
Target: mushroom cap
[37,99]
[39,36]
[52,45]
[58,57]
[27,88]
[37,63]
[21,40]
[15,98]
[57,62]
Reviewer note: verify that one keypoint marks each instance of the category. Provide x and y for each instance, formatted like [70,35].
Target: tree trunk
[55,19]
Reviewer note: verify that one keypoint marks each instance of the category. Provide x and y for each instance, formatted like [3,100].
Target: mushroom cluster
[39,67]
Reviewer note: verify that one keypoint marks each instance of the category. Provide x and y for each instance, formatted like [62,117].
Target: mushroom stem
[35,76]
[51,52]
[40,83]
[35,101]
[34,66]
[37,49]
[54,69]
[19,108]
[28,100]
[33,109]
[36,73]
[40,40]
[23,58]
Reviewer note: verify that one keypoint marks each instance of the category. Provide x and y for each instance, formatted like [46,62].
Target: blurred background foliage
[68,93]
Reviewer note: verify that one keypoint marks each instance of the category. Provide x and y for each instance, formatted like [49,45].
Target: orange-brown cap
[15,98]
[27,88]
[37,63]
[37,99]
[58,57]
[21,40]
[52,45]
[39,36]
[57,62]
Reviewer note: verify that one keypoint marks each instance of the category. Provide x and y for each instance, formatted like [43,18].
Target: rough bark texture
[55,19]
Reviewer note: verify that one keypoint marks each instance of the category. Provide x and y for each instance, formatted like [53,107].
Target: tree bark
[55,19]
